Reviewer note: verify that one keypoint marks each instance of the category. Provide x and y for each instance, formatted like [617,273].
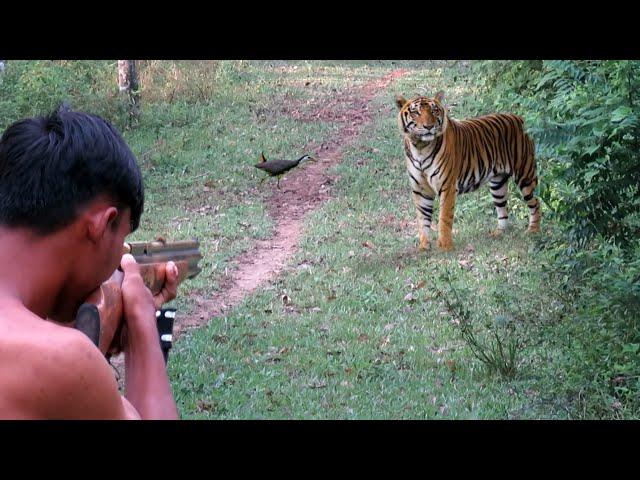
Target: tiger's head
[422,118]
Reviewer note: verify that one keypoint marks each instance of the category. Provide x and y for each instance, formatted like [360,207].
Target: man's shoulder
[58,372]
[63,348]
[49,345]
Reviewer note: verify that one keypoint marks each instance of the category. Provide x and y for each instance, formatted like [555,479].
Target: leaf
[318,384]
[409,298]
[620,113]
[219,381]
[466,264]
[420,285]
[204,406]
[589,175]
[591,150]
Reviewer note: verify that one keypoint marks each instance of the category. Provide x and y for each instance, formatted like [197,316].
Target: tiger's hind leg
[527,181]
[527,187]
[500,192]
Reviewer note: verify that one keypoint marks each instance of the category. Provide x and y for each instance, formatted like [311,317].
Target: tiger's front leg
[423,196]
[423,202]
[445,223]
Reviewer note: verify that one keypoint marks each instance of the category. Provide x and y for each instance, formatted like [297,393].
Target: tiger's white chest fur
[424,163]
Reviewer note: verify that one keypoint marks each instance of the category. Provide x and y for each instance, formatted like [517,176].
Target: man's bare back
[59,242]
[45,369]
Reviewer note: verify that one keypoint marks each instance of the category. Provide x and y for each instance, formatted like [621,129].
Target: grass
[360,325]
[366,331]
[197,158]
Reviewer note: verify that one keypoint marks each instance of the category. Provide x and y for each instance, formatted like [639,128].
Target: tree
[128,85]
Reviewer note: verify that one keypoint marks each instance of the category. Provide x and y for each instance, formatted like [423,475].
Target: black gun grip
[165,318]
[88,322]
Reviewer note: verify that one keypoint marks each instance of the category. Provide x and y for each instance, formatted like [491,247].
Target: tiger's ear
[400,101]
[440,97]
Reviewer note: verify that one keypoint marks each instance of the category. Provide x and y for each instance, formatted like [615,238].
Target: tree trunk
[128,84]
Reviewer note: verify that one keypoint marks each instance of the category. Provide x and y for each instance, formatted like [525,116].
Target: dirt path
[301,191]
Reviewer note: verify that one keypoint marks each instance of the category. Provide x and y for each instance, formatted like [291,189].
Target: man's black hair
[52,166]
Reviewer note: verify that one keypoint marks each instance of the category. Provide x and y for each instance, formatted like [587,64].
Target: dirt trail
[301,191]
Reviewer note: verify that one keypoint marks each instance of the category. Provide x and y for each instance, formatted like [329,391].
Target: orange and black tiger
[446,157]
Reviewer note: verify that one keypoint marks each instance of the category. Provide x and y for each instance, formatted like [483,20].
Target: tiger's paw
[424,241]
[445,244]
[424,244]
[533,229]
[497,233]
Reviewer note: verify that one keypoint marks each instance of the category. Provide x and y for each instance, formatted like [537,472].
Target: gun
[106,301]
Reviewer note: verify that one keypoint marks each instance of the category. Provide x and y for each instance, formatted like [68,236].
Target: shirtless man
[70,192]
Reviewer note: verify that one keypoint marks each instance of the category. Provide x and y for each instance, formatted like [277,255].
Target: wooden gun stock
[100,316]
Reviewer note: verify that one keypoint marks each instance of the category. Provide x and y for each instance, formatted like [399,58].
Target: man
[70,192]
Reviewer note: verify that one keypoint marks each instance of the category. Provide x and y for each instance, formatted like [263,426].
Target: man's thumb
[128,264]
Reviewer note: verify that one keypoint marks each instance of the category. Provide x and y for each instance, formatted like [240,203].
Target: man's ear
[100,220]
[400,101]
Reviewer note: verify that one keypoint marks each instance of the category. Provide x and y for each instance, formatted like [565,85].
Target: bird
[277,168]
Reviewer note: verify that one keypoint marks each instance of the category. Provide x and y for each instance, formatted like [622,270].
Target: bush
[584,118]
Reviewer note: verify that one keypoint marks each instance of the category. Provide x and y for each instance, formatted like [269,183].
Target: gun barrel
[162,252]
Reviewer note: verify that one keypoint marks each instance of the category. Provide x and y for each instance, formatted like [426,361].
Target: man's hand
[146,382]
[138,304]
[170,287]
[135,297]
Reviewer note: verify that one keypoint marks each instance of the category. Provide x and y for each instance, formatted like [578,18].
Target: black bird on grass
[277,168]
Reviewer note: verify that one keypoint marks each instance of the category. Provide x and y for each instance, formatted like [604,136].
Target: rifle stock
[100,316]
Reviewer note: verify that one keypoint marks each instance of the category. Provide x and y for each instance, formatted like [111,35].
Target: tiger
[447,157]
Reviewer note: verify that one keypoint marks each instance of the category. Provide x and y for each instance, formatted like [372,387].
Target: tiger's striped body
[447,157]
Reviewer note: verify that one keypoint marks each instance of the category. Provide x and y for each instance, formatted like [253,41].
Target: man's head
[70,179]
[52,167]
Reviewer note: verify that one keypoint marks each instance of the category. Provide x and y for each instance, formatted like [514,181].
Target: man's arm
[80,384]
[146,384]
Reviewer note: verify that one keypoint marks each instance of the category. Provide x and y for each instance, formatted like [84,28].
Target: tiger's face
[422,118]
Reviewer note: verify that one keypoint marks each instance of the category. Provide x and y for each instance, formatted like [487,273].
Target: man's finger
[171,272]
[170,288]
[129,265]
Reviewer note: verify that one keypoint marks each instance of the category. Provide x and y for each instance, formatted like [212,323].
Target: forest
[314,301]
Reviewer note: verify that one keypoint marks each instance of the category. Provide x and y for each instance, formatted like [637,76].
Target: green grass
[371,328]
[367,332]
[197,158]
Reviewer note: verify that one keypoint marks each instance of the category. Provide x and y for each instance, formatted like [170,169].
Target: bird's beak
[313,159]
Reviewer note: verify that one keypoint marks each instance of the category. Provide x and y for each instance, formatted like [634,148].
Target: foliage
[32,88]
[584,117]
[374,329]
